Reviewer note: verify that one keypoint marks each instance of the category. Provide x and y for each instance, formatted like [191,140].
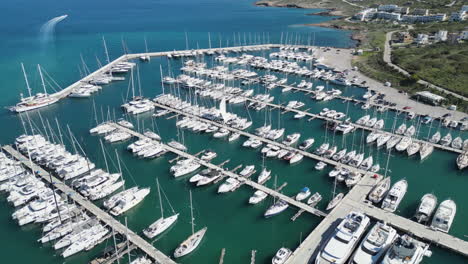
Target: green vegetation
[436,6]
[442,64]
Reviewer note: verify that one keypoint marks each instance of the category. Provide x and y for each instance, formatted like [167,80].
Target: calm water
[231,222]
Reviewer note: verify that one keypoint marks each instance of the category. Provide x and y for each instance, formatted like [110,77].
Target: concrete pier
[133,238]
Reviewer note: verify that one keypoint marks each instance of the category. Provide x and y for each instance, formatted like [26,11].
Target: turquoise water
[231,222]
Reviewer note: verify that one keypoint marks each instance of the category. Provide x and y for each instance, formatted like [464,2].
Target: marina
[256,183]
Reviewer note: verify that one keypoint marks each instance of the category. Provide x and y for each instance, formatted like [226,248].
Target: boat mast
[191,213]
[105,49]
[162,80]
[160,198]
[26,80]
[42,78]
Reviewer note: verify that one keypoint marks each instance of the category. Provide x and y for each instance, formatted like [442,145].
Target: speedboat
[344,239]
[380,190]
[247,171]
[296,158]
[406,250]
[394,196]
[321,150]
[375,244]
[281,256]
[334,202]
[257,197]
[291,139]
[229,185]
[426,208]
[314,199]
[306,144]
[320,166]
[276,208]
[443,217]
[303,194]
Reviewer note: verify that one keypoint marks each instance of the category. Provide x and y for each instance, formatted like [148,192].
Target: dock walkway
[228,173]
[133,238]
[354,200]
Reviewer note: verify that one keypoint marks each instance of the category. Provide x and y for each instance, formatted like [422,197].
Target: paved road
[387,57]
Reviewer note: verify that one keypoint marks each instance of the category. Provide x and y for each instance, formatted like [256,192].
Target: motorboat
[322,149]
[426,208]
[296,158]
[306,144]
[247,171]
[257,197]
[291,139]
[320,166]
[314,199]
[380,190]
[443,217]
[303,194]
[127,202]
[281,256]
[208,155]
[406,250]
[334,202]
[229,185]
[344,239]
[375,244]
[395,196]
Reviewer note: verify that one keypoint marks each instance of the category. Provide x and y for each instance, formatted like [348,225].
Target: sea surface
[168,25]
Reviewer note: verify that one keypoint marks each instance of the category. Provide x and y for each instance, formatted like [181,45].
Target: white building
[388,16]
[424,19]
[422,39]
[441,36]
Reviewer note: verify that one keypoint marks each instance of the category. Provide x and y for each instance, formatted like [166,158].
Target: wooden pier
[133,238]
[227,173]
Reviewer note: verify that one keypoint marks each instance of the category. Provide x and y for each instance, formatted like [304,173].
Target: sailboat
[336,198]
[162,224]
[33,101]
[193,241]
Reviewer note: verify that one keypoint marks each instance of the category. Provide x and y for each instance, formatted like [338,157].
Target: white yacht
[129,201]
[320,166]
[281,256]
[264,176]
[446,140]
[376,243]
[443,217]
[372,136]
[276,208]
[334,202]
[344,239]
[395,195]
[291,139]
[426,208]
[303,194]
[208,155]
[306,144]
[296,158]
[462,160]
[406,250]
[188,167]
[393,141]
[384,137]
[229,185]
[247,171]
[401,129]
[161,225]
[257,197]
[321,150]
[380,190]
[410,131]
[314,199]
